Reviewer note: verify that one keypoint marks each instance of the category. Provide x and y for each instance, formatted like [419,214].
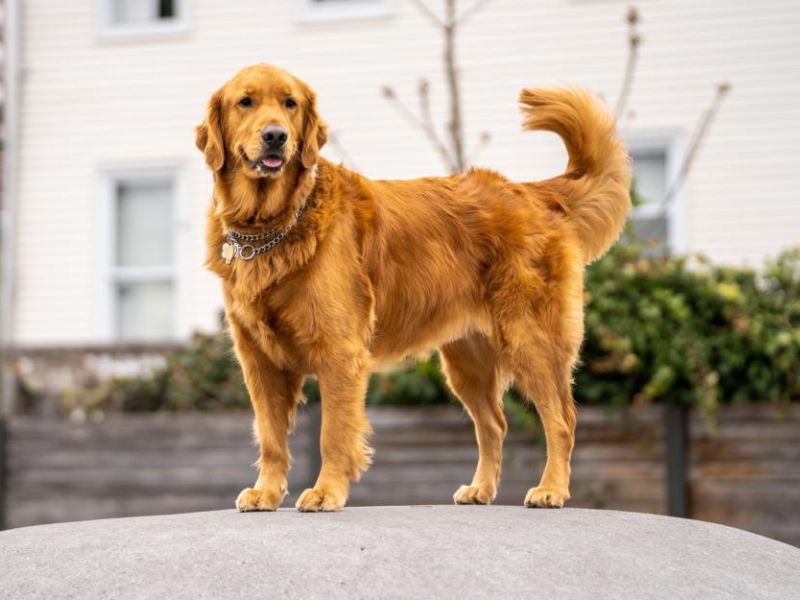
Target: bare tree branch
[425,10]
[634,43]
[452,148]
[423,91]
[468,13]
[429,131]
[698,135]
[483,141]
[335,142]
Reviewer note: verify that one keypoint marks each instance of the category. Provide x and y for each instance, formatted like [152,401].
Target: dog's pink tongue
[272,162]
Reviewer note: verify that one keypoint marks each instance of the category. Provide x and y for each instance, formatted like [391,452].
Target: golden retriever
[328,273]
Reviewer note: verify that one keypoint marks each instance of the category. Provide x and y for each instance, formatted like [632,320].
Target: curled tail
[598,172]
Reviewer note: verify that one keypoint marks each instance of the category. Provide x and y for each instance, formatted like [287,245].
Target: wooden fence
[745,474]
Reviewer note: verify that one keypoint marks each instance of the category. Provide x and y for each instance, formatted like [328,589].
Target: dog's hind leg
[539,324]
[472,372]
[542,369]
[545,377]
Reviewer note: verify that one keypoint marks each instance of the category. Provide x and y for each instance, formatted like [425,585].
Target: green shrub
[694,334]
[204,375]
[657,329]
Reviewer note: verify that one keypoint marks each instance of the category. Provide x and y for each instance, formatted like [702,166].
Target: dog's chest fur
[272,326]
[310,312]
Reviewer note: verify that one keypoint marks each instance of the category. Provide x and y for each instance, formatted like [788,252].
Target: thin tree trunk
[451,71]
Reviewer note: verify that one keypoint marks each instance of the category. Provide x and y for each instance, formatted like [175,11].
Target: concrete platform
[396,552]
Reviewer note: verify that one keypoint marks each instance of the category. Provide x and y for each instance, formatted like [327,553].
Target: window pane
[144,224]
[132,11]
[166,9]
[650,176]
[137,12]
[652,232]
[650,228]
[650,221]
[145,311]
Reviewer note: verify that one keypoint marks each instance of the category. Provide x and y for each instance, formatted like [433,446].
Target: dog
[329,274]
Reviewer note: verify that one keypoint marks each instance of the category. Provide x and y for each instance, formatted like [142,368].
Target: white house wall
[92,103]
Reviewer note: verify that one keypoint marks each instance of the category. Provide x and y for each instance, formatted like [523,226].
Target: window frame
[108,29]
[671,143]
[111,275]
[311,11]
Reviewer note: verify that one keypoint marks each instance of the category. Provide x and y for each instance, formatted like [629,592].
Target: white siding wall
[91,103]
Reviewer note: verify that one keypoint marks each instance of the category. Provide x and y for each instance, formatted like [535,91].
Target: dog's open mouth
[267,164]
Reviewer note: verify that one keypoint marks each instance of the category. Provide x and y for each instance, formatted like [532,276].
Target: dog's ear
[208,135]
[315,131]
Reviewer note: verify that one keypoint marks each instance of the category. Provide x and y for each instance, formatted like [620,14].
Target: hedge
[658,329]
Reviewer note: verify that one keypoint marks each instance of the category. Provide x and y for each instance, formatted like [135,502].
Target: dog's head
[260,121]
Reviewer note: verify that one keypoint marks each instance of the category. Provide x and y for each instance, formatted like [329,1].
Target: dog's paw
[474,494]
[252,499]
[320,500]
[542,497]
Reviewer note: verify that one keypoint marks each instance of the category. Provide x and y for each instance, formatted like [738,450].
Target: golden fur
[488,271]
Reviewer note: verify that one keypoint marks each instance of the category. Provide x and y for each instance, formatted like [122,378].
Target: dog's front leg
[274,394]
[343,443]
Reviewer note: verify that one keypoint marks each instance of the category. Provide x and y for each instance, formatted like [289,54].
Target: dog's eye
[246,101]
[291,103]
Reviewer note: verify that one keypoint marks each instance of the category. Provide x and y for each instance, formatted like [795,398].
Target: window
[331,10]
[141,16]
[141,256]
[654,170]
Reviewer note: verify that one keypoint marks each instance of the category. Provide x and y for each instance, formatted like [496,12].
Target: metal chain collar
[236,246]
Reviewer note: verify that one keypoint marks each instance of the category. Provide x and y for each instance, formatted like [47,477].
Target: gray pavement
[396,552]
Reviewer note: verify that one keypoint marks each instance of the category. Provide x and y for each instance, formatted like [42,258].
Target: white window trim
[671,143]
[108,29]
[111,275]
[343,10]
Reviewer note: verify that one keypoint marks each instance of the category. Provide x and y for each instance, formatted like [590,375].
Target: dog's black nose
[274,136]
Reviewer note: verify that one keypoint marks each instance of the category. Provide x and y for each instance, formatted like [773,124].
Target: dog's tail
[598,172]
